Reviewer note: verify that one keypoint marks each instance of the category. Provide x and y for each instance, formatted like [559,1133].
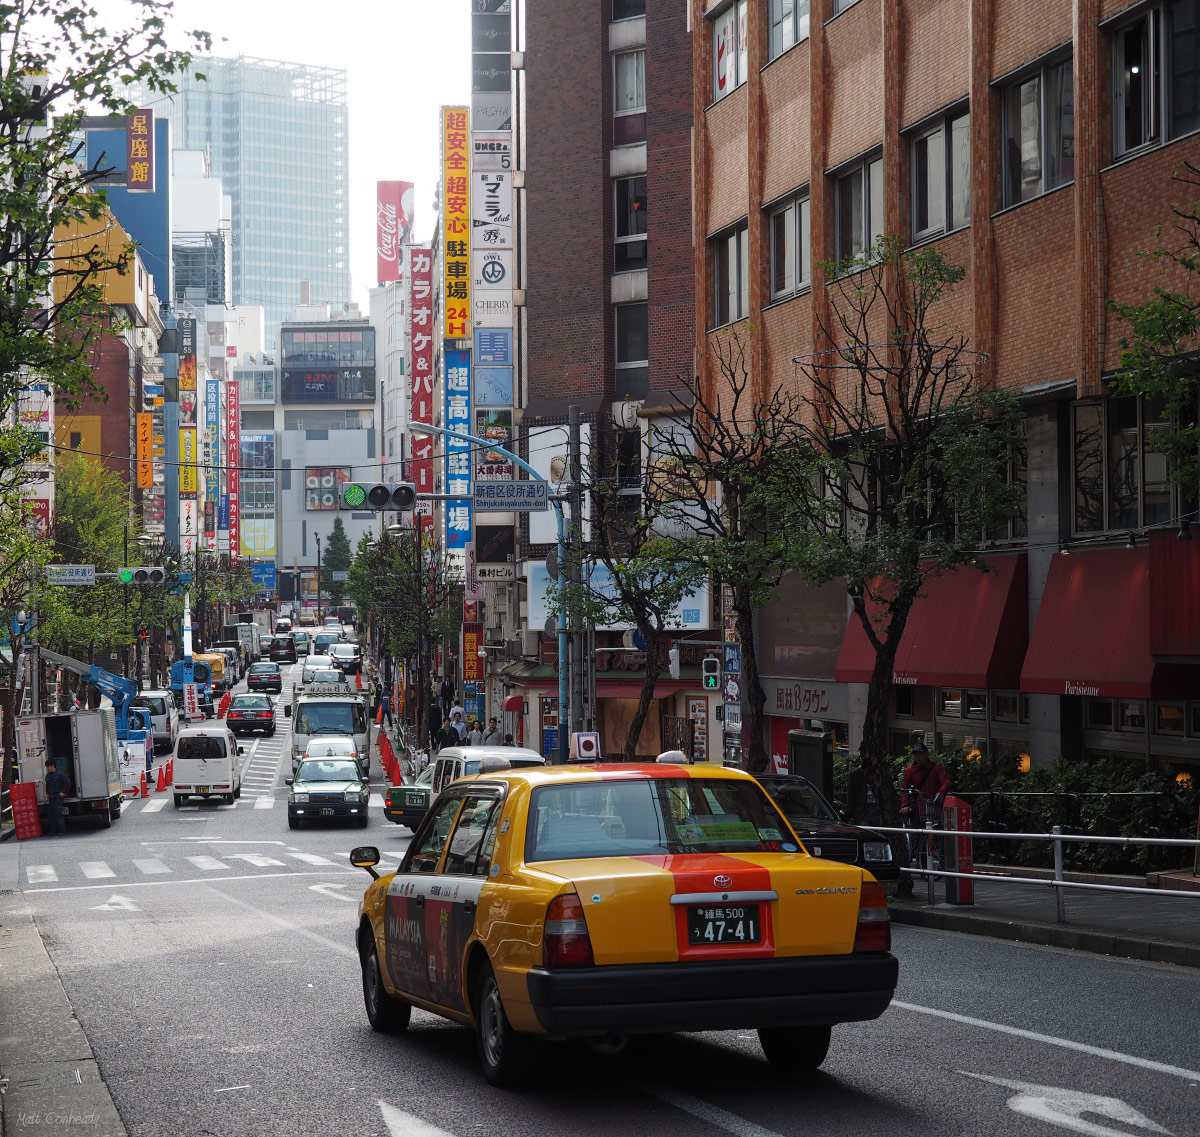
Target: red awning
[968,629]
[513,703]
[1174,597]
[1092,634]
[622,688]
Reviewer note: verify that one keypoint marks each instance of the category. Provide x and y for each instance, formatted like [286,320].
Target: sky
[404,58]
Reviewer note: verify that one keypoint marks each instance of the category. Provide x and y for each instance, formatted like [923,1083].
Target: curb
[1053,935]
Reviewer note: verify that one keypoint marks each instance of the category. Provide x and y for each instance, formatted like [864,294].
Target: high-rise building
[276,134]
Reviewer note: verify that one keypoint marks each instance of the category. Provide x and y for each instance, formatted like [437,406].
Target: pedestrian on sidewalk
[435,723]
[58,786]
[446,696]
[492,736]
[475,734]
[458,725]
[447,736]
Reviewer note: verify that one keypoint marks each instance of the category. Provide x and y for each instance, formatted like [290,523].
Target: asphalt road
[215,976]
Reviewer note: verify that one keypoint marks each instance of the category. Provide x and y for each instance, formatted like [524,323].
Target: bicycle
[924,849]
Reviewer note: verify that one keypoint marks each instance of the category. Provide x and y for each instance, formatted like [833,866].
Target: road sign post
[70,574]
[497,497]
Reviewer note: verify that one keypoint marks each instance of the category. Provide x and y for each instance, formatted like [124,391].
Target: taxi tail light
[565,942]
[874,924]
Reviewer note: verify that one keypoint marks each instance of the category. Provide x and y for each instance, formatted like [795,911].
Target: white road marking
[401,1124]
[376,801]
[117,904]
[226,1089]
[1065,1043]
[258,860]
[325,890]
[196,880]
[311,858]
[40,874]
[151,865]
[153,806]
[265,803]
[280,922]
[210,864]
[706,1111]
[96,870]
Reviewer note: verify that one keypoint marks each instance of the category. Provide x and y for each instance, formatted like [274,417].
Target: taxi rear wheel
[384,1013]
[795,1047]
[504,1054]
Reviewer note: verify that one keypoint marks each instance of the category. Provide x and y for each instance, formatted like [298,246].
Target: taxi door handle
[468,906]
[420,901]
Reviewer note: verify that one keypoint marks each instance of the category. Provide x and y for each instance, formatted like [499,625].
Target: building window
[904,702]
[1039,133]
[1131,714]
[1006,706]
[840,6]
[1120,481]
[858,207]
[630,224]
[1099,714]
[1168,718]
[950,703]
[789,25]
[941,177]
[629,82]
[729,49]
[1156,75]
[633,350]
[731,276]
[791,249]
[627,9]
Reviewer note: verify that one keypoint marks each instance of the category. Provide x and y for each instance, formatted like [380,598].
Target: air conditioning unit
[512,649]
[530,643]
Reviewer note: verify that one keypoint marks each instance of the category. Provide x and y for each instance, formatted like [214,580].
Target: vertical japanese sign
[393,223]
[187,355]
[188,480]
[456,222]
[472,634]
[187,528]
[212,460]
[420,265]
[458,449]
[233,459]
[145,446]
[139,151]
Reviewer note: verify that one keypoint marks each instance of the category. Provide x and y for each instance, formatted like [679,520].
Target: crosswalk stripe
[376,801]
[264,803]
[41,874]
[209,864]
[311,858]
[96,870]
[151,865]
[153,806]
[258,860]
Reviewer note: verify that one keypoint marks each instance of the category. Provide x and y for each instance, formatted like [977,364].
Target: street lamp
[317,538]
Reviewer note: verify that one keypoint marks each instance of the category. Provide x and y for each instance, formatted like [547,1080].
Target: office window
[791,256]
[941,177]
[789,25]
[841,5]
[626,9]
[630,224]
[731,276]
[858,208]
[1156,75]
[633,349]
[729,49]
[1039,133]
[629,82]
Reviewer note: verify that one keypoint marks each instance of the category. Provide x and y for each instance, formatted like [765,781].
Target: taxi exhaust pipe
[609,1045]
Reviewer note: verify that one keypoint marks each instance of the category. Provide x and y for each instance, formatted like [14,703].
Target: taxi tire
[386,1014]
[505,1055]
[795,1047]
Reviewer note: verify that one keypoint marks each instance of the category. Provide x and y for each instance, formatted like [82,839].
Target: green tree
[1158,349]
[58,62]
[337,558]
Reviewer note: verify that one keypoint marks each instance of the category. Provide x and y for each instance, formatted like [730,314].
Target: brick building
[1035,142]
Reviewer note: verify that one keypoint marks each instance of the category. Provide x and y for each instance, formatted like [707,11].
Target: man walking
[446,695]
[435,722]
[492,736]
[459,726]
[58,786]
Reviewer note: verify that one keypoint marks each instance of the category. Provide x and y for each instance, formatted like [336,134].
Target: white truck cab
[327,708]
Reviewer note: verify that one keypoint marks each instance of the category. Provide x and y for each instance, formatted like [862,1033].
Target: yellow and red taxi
[601,901]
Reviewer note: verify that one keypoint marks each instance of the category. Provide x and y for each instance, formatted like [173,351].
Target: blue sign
[493,386]
[549,741]
[263,574]
[223,512]
[459,452]
[733,659]
[493,346]
[185,578]
[152,389]
[497,496]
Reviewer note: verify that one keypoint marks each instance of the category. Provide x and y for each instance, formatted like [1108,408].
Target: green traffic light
[355,496]
[125,576]
[710,682]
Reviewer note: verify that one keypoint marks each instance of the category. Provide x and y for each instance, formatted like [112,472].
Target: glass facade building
[277,137]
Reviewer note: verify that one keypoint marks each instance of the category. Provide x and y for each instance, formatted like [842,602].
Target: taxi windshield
[328,770]
[330,718]
[649,817]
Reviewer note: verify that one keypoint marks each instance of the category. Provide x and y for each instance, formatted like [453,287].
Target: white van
[455,762]
[163,715]
[206,763]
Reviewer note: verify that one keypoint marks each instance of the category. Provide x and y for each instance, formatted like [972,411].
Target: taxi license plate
[724,924]
[327,812]
[202,789]
[414,799]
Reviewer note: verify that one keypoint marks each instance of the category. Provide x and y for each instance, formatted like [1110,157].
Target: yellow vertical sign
[188,474]
[145,450]
[456,222]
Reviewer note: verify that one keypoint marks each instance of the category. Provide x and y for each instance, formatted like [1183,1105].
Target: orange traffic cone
[162,778]
[358,679]
[379,715]
[170,771]
[142,790]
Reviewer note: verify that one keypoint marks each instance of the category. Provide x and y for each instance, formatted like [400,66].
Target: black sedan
[265,677]
[249,713]
[819,825]
[283,649]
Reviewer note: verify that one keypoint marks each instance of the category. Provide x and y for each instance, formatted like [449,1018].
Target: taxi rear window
[651,816]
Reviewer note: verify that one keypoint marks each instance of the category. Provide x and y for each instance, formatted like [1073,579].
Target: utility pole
[317,538]
[579,637]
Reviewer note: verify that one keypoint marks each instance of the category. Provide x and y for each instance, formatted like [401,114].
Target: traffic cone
[162,778]
[142,790]
[358,679]
[379,715]
[170,771]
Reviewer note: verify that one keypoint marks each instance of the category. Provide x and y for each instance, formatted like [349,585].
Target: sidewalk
[1156,924]
[53,1081]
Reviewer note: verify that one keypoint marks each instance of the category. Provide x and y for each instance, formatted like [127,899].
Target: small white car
[206,763]
[313,663]
[336,746]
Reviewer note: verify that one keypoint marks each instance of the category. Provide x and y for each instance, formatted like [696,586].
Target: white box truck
[84,744]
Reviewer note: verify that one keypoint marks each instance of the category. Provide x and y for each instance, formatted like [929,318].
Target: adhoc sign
[456,223]
[70,574]
[420,345]
[393,222]
[497,496]
[806,698]
[458,450]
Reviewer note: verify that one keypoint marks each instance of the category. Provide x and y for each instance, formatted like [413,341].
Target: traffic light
[673,656]
[142,574]
[379,495]
[710,673]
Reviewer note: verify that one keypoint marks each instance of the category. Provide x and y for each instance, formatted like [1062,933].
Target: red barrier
[223,706]
[358,679]
[25,810]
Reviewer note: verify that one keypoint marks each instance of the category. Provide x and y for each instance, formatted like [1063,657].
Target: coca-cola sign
[393,225]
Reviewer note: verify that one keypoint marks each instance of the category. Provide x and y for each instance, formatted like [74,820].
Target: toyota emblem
[722,881]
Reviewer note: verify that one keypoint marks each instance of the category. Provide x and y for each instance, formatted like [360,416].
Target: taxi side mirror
[287,711]
[241,750]
[288,781]
[365,857]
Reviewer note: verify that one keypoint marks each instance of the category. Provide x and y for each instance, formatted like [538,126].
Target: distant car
[333,623]
[347,657]
[164,716]
[302,640]
[819,825]
[323,641]
[283,624]
[332,788]
[337,746]
[407,804]
[251,712]
[265,677]
[283,649]
[317,661]
[325,675]
[307,621]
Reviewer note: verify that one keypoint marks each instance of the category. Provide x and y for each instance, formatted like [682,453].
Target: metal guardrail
[1057,882]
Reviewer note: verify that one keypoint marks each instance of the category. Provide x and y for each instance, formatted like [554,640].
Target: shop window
[904,702]
[1039,133]
[1006,706]
[789,25]
[976,704]
[630,224]
[950,701]
[791,248]
[1098,714]
[858,208]
[1194,719]
[970,745]
[1131,714]
[731,276]
[729,49]
[1168,718]
[941,176]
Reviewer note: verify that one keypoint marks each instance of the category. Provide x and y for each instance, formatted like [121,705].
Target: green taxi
[328,789]
[407,804]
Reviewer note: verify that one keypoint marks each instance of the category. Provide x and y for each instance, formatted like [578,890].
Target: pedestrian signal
[710,673]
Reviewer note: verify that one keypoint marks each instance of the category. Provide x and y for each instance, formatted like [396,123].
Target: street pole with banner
[490,444]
